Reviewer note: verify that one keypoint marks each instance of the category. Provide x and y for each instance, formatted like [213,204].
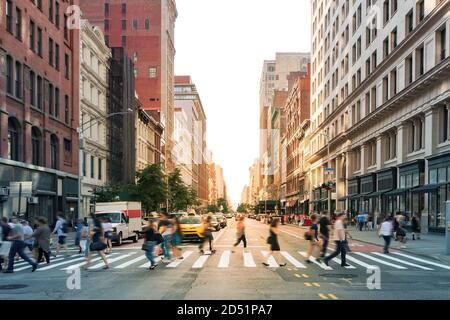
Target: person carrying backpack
[61,230]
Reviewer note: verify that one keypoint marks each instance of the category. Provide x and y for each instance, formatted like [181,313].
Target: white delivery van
[126,219]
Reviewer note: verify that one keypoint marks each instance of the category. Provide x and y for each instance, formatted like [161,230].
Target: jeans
[243,239]
[149,252]
[387,242]
[340,249]
[165,247]
[361,225]
[18,247]
[324,247]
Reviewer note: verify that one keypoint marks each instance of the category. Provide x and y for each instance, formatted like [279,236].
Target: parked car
[229,215]
[221,218]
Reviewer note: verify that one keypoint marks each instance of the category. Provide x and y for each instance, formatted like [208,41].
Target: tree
[221,202]
[194,201]
[242,208]
[212,208]
[151,187]
[180,195]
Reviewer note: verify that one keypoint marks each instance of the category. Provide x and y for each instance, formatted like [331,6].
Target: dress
[273,241]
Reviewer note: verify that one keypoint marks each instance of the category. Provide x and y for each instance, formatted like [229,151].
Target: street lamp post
[81,148]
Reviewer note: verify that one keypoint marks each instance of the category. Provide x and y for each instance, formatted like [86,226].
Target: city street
[239,275]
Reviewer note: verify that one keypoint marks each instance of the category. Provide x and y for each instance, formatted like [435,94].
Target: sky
[222,44]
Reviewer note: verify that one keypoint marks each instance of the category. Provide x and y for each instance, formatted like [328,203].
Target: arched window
[13,139]
[36,146]
[54,154]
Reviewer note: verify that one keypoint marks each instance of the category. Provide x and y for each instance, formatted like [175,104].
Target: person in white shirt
[339,240]
[60,230]
[386,230]
[107,229]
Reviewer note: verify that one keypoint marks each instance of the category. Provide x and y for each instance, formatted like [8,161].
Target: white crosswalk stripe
[129,263]
[102,264]
[21,263]
[248,260]
[380,261]
[147,264]
[78,265]
[292,260]
[52,266]
[320,264]
[177,262]
[359,262]
[422,260]
[272,262]
[339,262]
[200,262]
[401,261]
[28,266]
[224,259]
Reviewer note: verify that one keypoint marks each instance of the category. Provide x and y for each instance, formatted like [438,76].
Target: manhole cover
[13,286]
[338,275]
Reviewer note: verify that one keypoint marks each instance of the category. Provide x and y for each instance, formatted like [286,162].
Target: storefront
[368,186]
[386,182]
[353,196]
[437,191]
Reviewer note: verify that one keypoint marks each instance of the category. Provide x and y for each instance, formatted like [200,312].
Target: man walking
[240,233]
[5,229]
[386,230]
[361,221]
[27,232]
[165,229]
[339,239]
[17,246]
[325,228]
[61,231]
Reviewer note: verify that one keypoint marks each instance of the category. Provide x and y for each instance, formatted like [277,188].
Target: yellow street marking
[323,296]
[308,284]
[316,284]
[333,296]
[305,275]
[297,275]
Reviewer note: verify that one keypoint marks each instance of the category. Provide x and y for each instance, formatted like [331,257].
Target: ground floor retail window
[437,206]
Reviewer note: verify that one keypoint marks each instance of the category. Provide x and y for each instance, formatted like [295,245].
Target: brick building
[39,116]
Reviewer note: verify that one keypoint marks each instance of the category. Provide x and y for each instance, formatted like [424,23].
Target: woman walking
[151,241]
[78,228]
[207,234]
[107,229]
[84,238]
[240,233]
[177,238]
[386,230]
[274,245]
[98,244]
[42,237]
[313,237]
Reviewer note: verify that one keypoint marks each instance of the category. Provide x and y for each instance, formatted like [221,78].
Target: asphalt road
[239,275]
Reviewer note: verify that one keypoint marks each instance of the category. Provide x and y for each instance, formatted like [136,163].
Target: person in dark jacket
[5,230]
[415,227]
[151,242]
[42,238]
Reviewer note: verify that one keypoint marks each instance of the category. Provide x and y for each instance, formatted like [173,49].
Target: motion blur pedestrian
[386,230]
[401,233]
[325,228]
[207,234]
[107,229]
[312,235]
[177,238]
[84,238]
[78,228]
[5,244]
[240,233]
[339,240]
[42,236]
[165,229]
[415,227]
[17,246]
[97,244]
[61,230]
[150,242]
[361,221]
[272,240]
[27,232]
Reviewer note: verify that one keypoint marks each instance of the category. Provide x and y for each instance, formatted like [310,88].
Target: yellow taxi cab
[191,227]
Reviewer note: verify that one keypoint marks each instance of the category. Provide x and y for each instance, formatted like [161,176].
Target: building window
[124,8]
[9,74]
[135,24]
[92,167]
[100,169]
[39,4]
[13,139]
[106,25]
[66,30]
[39,42]
[106,8]
[50,51]
[393,39]
[54,154]
[51,105]
[409,22]
[393,83]
[394,7]
[18,80]
[57,56]
[385,47]
[57,14]
[50,10]
[408,70]
[124,24]
[386,11]
[124,41]
[152,72]
[67,150]
[32,36]
[419,61]
[441,42]
[9,17]
[66,66]
[36,146]
[385,89]
[57,102]
[32,88]
[444,124]
[18,24]
[66,110]
[420,11]
[39,93]
[147,24]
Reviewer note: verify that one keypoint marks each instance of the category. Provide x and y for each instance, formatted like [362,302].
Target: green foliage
[222,203]
[212,208]
[151,187]
[242,208]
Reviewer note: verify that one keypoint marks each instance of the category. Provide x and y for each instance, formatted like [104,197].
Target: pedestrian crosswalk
[227,259]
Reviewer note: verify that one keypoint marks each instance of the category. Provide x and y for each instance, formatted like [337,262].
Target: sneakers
[152,267]
[34,267]
[265,264]
[326,262]
[345,265]
[283,264]
[308,261]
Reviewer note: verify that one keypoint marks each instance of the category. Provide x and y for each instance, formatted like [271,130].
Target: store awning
[397,192]
[429,188]
[376,194]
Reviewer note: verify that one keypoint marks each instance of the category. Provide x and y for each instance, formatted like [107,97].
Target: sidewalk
[429,245]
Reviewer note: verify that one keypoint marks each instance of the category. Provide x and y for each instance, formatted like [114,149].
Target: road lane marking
[323,296]
[297,275]
[292,260]
[305,275]
[422,260]
[307,284]
[177,262]
[320,264]
[248,260]
[361,263]
[102,264]
[60,264]
[129,263]
[272,262]
[29,266]
[333,296]
[339,262]
[291,234]
[401,261]
[147,264]
[380,261]
[22,263]
[200,262]
[316,284]
[74,266]
[225,259]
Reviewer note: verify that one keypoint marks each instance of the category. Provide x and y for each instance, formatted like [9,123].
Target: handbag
[145,246]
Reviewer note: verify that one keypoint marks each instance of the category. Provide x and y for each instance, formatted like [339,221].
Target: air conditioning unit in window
[4,191]
[33,200]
